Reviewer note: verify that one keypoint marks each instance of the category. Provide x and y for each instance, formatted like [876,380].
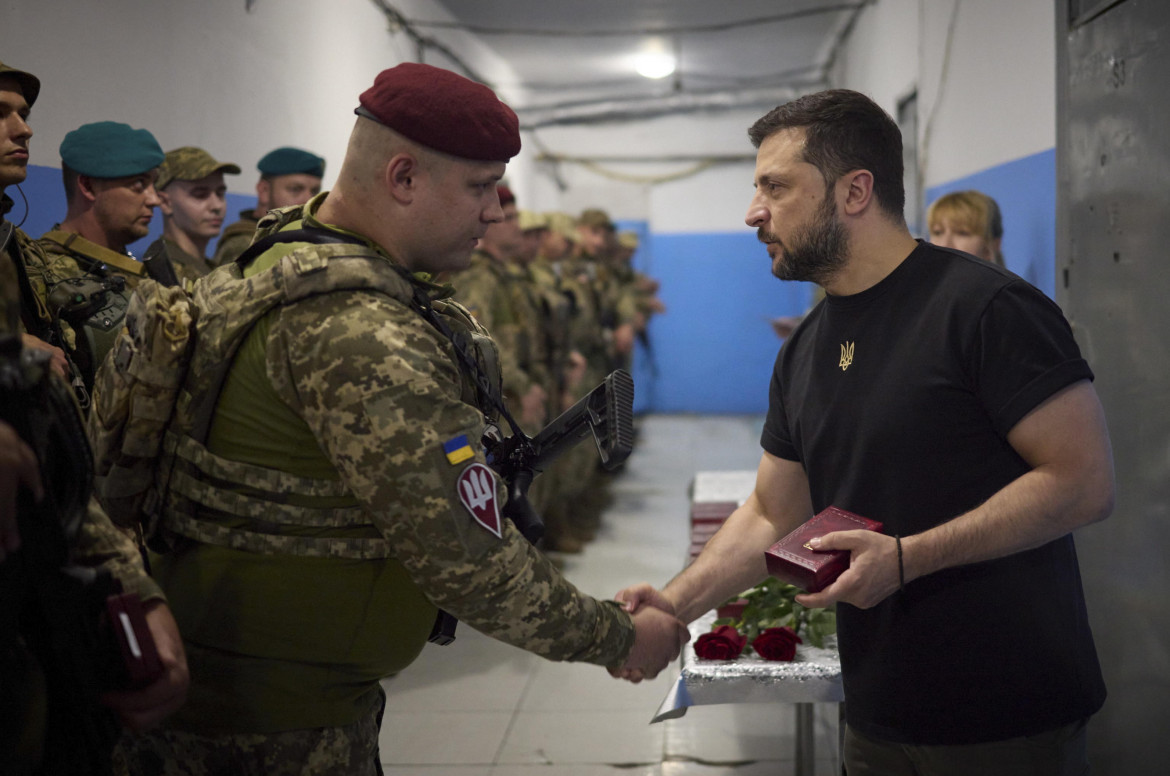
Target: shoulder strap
[158,264]
[419,301]
[71,241]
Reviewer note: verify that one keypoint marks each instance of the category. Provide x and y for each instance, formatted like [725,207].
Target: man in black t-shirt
[946,398]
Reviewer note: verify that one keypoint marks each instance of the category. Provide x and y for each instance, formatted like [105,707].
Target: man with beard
[109,171]
[946,398]
[288,177]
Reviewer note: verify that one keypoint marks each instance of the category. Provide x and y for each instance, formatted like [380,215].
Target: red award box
[792,560]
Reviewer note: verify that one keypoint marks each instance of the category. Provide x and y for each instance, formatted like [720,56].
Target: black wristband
[901,572]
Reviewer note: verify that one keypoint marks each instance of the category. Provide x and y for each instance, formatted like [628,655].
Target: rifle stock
[606,412]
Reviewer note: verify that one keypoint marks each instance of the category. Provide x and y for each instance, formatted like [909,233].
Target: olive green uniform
[187,267]
[496,295]
[323,523]
[99,543]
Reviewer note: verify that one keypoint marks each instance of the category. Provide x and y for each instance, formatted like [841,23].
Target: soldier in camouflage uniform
[564,367]
[339,492]
[191,195]
[23,311]
[109,171]
[493,291]
[288,176]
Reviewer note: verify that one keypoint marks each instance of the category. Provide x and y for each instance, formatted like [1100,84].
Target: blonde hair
[971,210]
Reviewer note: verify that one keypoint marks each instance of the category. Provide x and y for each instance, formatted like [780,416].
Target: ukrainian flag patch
[458,449]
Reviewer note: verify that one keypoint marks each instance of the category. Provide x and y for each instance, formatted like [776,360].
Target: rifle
[50,610]
[606,412]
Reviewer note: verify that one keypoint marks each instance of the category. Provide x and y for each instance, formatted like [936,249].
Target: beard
[816,251]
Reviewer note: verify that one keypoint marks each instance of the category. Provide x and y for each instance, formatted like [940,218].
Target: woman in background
[968,221]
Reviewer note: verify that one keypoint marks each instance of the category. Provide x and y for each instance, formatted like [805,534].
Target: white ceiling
[574,59]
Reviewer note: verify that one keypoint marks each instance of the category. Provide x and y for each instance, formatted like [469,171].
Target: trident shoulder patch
[477,491]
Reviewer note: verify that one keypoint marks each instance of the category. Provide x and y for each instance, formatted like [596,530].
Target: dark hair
[845,130]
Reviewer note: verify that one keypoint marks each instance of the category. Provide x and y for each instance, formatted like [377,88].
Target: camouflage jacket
[68,255]
[495,294]
[370,422]
[98,543]
[34,278]
[187,268]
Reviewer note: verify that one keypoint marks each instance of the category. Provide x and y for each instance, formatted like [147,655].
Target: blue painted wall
[713,349]
[1026,192]
[46,206]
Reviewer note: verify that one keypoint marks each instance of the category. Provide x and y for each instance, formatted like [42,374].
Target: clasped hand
[660,635]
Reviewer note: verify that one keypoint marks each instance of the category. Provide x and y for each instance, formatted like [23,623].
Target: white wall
[706,199]
[996,100]
[209,73]
[239,83]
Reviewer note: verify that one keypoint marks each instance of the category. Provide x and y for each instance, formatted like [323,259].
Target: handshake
[659,634]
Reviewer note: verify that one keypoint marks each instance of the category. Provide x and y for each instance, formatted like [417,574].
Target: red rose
[723,643]
[776,644]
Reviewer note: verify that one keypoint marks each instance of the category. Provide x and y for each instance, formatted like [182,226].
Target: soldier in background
[28,717]
[492,291]
[109,171]
[557,241]
[288,176]
[191,194]
[40,329]
[642,287]
[333,560]
[563,370]
[596,247]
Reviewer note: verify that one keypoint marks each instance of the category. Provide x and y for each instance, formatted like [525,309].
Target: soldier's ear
[400,177]
[164,203]
[264,191]
[85,188]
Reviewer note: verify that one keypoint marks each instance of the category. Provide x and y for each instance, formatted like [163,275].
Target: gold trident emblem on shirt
[846,355]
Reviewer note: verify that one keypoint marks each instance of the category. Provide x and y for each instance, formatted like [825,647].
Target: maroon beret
[506,196]
[443,111]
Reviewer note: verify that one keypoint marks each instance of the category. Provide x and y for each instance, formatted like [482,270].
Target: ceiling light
[654,64]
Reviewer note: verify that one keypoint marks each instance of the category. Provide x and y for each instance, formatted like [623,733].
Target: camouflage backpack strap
[199,487]
[158,264]
[134,397]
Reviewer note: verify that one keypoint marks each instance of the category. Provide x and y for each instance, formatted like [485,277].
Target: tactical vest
[98,329]
[217,501]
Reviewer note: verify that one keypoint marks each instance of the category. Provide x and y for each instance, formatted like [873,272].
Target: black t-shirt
[898,401]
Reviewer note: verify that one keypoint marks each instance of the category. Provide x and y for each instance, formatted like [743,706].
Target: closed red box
[792,560]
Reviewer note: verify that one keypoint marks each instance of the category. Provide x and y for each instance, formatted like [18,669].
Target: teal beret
[291,161]
[107,149]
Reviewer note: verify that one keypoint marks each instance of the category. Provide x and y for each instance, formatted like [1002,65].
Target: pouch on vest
[135,391]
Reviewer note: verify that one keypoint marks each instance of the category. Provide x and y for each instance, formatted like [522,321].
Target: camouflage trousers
[351,750]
